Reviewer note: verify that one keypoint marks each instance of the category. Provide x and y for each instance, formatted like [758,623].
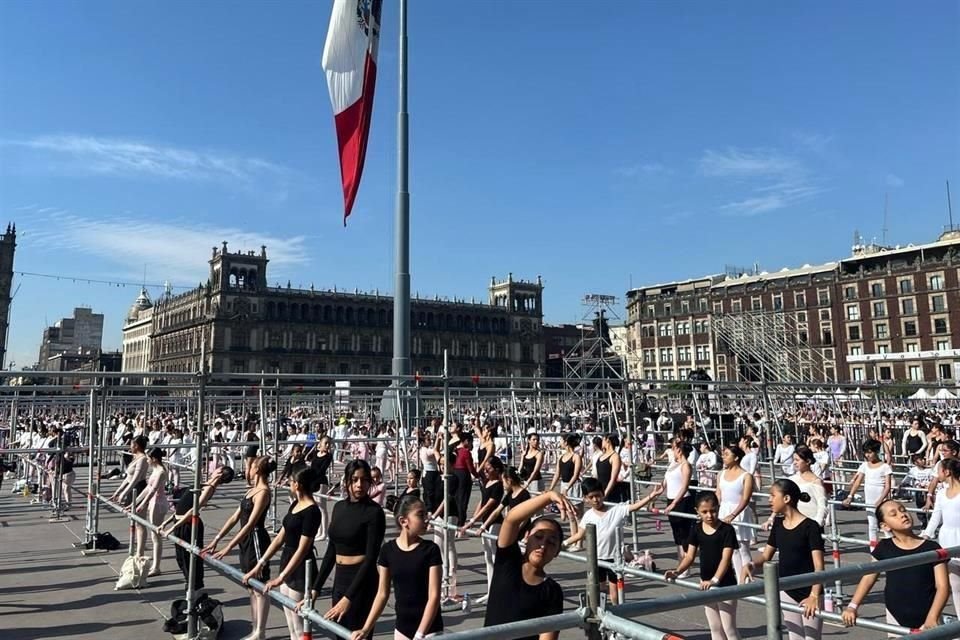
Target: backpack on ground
[209,613]
[105,540]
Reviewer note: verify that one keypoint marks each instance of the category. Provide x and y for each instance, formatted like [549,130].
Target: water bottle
[828,601]
[465,605]
[647,560]
[659,525]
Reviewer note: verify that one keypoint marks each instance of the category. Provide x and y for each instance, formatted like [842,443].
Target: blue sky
[597,144]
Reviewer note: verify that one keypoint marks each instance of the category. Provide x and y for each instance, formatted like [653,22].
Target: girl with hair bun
[800,543]
[491,495]
[152,504]
[735,493]
[608,468]
[138,468]
[414,567]
[946,515]
[676,484]
[914,596]
[252,538]
[809,483]
[296,536]
[569,470]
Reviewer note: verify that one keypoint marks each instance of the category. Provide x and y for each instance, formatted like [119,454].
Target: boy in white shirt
[609,520]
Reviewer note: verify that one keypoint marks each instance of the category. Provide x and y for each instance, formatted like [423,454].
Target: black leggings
[681,526]
[183,556]
[432,490]
[462,494]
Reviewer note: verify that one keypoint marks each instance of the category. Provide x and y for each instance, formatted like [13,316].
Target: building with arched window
[246,325]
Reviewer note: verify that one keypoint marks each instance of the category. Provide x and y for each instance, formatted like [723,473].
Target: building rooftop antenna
[949,206]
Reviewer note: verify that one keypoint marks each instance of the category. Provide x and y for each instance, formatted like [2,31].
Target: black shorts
[605,574]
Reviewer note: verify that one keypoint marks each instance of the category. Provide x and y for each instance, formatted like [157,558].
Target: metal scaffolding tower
[594,373]
[769,345]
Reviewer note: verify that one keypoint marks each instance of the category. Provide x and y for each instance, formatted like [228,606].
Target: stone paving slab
[49,590]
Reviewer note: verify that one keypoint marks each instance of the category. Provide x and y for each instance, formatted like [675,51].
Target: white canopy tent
[944,394]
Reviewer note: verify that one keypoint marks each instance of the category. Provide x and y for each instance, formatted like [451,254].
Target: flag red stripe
[353,130]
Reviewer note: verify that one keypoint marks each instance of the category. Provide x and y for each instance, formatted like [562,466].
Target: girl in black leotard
[355,536]
[320,458]
[296,537]
[252,538]
[491,495]
[179,524]
[532,463]
[415,569]
[608,469]
[914,596]
[569,468]
[487,448]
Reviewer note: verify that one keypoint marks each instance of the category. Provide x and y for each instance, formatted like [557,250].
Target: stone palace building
[248,326]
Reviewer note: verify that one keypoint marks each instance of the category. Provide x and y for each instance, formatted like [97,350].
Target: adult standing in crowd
[355,535]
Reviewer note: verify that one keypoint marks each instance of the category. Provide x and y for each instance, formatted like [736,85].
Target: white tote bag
[133,574]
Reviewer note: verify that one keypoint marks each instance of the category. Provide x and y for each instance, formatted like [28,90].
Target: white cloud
[776,180]
[894,181]
[647,168]
[172,250]
[130,158]
[746,163]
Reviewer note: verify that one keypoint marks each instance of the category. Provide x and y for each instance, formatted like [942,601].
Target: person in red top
[464,471]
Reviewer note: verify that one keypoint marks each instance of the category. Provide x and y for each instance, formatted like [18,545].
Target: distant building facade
[84,360]
[247,326]
[83,332]
[887,314]
[8,245]
[136,338]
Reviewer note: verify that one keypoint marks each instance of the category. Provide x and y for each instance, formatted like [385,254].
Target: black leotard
[527,466]
[254,545]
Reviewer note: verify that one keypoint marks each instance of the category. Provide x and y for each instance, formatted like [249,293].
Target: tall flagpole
[401,299]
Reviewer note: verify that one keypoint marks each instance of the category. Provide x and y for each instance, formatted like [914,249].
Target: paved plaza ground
[49,590]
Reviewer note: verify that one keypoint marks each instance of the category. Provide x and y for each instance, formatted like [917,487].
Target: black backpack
[106,541]
[207,609]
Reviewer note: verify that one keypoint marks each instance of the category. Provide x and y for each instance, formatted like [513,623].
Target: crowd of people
[559,479]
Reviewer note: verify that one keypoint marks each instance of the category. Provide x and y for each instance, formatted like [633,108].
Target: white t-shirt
[608,525]
[874,479]
[784,456]
[749,462]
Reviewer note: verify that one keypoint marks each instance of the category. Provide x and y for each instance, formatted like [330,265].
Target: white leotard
[731,493]
[674,480]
